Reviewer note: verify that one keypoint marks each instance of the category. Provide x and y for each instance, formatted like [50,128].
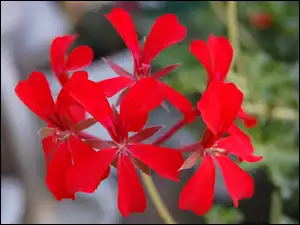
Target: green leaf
[221,215]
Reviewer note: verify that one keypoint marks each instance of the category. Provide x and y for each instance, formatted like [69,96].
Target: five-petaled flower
[61,141]
[216,56]
[165,32]
[219,106]
[123,152]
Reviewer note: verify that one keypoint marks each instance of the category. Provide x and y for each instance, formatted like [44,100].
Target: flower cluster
[79,162]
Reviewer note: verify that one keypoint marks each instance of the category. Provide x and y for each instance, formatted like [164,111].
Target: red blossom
[62,62]
[261,20]
[219,106]
[165,32]
[61,138]
[216,57]
[123,152]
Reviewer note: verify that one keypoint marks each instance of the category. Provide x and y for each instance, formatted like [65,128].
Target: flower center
[61,136]
[143,70]
[122,149]
[215,151]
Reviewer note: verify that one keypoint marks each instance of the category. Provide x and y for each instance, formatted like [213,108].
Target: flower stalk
[157,201]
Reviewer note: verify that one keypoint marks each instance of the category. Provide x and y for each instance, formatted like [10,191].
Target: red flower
[165,32]
[261,20]
[219,106]
[61,138]
[216,57]
[123,152]
[62,62]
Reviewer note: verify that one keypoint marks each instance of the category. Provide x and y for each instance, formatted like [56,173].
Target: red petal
[122,22]
[221,53]
[165,71]
[113,85]
[76,113]
[64,101]
[239,144]
[79,58]
[144,134]
[58,51]
[62,77]
[131,196]
[197,195]
[36,95]
[239,184]
[219,106]
[117,69]
[137,123]
[49,147]
[179,101]
[140,99]
[234,130]
[90,96]
[249,121]
[106,174]
[164,161]
[56,175]
[67,106]
[165,32]
[144,96]
[200,50]
[79,149]
[87,173]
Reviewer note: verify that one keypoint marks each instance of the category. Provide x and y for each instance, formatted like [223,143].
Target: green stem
[245,37]
[233,30]
[157,201]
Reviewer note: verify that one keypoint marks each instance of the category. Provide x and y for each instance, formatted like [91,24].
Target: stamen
[215,151]
[122,149]
[143,70]
[61,136]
